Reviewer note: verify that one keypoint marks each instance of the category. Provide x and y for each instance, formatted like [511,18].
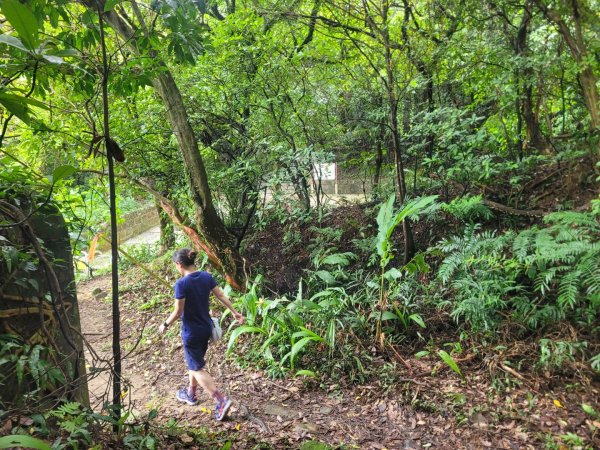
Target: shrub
[541,274]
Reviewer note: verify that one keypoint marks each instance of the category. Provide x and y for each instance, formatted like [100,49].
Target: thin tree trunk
[428,94]
[116,314]
[409,245]
[167,235]
[378,159]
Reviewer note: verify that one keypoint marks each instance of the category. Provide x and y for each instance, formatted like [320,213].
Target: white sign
[325,172]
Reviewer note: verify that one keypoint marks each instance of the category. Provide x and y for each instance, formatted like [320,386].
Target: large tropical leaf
[17,440]
[385,219]
[19,105]
[12,41]
[23,21]
[241,330]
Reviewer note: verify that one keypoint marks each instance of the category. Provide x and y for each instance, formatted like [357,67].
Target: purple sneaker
[184,396]
[222,408]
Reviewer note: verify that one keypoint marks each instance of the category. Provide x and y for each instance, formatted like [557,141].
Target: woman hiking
[192,293]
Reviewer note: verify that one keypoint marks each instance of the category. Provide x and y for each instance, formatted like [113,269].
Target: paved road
[148,237]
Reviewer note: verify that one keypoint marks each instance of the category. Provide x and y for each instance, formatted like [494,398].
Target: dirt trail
[283,413]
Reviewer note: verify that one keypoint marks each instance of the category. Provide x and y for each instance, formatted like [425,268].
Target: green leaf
[325,276]
[23,441]
[34,364]
[588,409]
[386,315]
[28,100]
[23,21]
[20,368]
[18,105]
[62,172]
[241,330]
[306,373]
[417,264]
[53,59]
[331,332]
[384,221]
[416,318]
[392,274]
[450,362]
[150,442]
[314,445]
[110,5]
[14,106]
[421,354]
[12,41]
[298,346]
[413,208]
[341,259]
[311,333]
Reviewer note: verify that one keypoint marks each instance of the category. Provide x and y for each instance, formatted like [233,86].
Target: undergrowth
[524,281]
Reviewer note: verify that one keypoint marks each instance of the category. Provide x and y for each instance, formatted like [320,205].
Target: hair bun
[192,255]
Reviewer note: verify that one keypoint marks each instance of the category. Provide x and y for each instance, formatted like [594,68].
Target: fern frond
[573,218]
[67,409]
[568,289]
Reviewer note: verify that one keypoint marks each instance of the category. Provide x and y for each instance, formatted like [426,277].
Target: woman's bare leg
[193,384]
[203,378]
[208,384]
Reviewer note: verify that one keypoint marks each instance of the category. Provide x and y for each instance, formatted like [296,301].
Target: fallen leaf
[557,404]
[186,439]
[26,421]
[6,427]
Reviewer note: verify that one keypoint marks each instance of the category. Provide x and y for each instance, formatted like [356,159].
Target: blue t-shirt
[195,289]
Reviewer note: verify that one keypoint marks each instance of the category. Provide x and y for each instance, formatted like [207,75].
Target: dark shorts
[194,350]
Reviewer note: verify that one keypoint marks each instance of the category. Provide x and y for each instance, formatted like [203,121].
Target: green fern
[468,209]
[542,275]
[568,289]
[67,409]
[573,218]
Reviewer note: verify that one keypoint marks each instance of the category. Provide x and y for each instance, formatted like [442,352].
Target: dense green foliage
[469,129]
[541,275]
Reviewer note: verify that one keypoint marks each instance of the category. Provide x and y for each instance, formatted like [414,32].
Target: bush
[541,275]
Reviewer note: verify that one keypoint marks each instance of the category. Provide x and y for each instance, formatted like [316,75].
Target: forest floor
[428,407]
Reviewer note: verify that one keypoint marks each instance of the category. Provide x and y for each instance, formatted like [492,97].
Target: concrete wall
[132,224]
[351,186]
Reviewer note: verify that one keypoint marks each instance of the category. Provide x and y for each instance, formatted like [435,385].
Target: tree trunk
[217,242]
[196,234]
[534,137]
[525,106]
[586,77]
[588,83]
[167,234]
[409,244]
[428,97]
[380,142]
[212,237]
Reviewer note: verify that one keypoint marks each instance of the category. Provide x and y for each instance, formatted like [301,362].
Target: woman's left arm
[218,292]
[176,314]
